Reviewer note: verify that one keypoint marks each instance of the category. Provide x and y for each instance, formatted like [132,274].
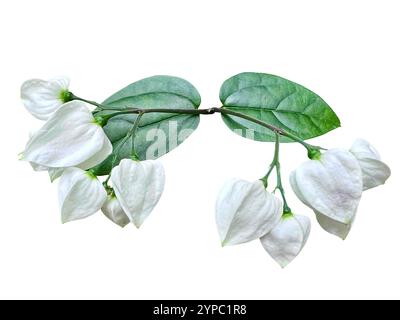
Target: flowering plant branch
[123,136]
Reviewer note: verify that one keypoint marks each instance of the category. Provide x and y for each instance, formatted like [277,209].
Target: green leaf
[277,101]
[158,133]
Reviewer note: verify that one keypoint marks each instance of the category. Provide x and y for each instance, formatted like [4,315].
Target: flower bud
[113,211]
[285,241]
[138,186]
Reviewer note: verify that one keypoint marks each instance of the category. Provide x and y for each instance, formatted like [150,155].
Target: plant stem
[221,110]
[131,133]
[276,164]
[98,105]
[134,130]
[275,160]
[268,126]
[161,110]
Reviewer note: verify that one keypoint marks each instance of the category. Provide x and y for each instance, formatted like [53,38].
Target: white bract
[42,98]
[138,186]
[113,211]
[332,187]
[80,194]
[374,171]
[245,211]
[70,138]
[285,241]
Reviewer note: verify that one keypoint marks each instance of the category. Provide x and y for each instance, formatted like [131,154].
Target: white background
[346,51]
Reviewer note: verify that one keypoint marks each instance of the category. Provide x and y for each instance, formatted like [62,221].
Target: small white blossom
[245,211]
[42,98]
[285,241]
[331,186]
[70,138]
[113,211]
[374,171]
[80,193]
[138,186]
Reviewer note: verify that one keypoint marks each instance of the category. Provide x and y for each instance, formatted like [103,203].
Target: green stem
[275,160]
[131,133]
[269,126]
[134,131]
[286,208]
[98,105]
[276,164]
[310,148]
[161,110]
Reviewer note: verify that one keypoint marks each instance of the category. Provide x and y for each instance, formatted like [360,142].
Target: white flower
[245,211]
[332,187]
[113,211]
[374,171]
[80,194]
[285,241]
[138,186]
[70,138]
[42,98]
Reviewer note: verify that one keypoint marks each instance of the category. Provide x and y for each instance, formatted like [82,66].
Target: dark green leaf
[158,133]
[277,101]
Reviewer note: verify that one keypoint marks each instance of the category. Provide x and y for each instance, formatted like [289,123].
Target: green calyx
[101,120]
[264,180]
[287,215]
[91,174]
[313,153]
[66,96]
[135,156]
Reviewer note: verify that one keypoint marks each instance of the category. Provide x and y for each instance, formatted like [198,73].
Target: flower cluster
[70,143]
[331,184]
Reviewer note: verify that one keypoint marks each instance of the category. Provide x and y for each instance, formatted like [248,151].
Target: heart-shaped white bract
[70,138]
[80,194]
[374,171]
[42,98]
[138,186]
[285,241]
[331,186]
[113,211]
[245,211]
